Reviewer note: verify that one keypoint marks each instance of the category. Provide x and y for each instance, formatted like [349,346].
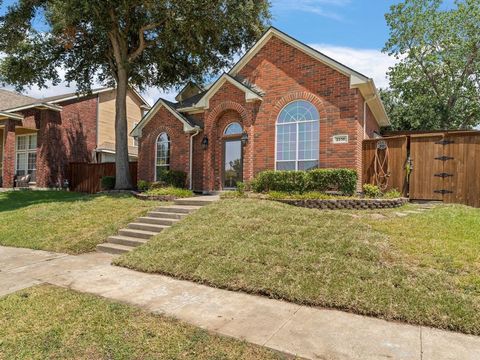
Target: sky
[352,32]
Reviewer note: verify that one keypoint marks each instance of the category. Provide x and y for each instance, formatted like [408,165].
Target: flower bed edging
[142,196]
[340,204]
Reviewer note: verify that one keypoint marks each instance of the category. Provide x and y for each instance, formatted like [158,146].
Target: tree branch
[143,44]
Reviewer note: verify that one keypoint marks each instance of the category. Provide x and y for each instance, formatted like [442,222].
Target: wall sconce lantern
[205,142]
[244,138]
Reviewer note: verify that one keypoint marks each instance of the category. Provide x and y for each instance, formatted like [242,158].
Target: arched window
[298,137]
[233,129]
[162,158]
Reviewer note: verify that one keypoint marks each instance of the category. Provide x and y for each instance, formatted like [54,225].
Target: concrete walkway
[303,331]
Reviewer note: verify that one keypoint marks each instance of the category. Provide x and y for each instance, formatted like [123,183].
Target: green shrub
[170,191]
[173,178]
[158,185]
[392,194]
[143,185]
[343,180]
[241,187]
[319,180]
[107,182]
[371,191]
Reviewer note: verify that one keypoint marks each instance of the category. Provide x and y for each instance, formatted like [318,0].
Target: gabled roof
[191,87]
[251,93]
[11,99]
[357,79]
[36,105]
[76,95]
[188,124]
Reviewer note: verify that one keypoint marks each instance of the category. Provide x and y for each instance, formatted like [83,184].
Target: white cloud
[370,62]
[325,8]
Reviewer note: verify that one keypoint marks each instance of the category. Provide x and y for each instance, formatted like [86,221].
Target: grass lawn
[47,322]
[64,221]
[421,269]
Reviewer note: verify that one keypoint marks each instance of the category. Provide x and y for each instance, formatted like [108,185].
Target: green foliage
[143,185]
[372,191]
[392,194]
[435,84]
[321,180]
[141,43]
[170,191]
[173,178]
[241,187]
[107,182]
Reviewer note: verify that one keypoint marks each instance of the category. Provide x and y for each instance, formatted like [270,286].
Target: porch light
[244,138]
[205,142]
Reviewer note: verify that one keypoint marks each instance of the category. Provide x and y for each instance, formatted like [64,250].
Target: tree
[436,83]
[160,43]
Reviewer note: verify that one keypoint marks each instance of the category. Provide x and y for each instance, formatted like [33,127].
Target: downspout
[365,114]
[190,166]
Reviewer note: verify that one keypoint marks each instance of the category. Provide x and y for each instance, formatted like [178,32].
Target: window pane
[233,129]
[32,161]
[307,165]
[21,143]
[285,165]
[298,111]
[32,142]
[308,141]
[21,163]
[286,141]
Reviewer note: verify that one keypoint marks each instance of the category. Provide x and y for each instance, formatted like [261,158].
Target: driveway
[293,329]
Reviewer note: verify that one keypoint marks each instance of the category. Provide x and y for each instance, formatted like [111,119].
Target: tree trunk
[123,179]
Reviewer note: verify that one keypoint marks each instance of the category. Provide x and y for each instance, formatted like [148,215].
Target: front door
[232,163]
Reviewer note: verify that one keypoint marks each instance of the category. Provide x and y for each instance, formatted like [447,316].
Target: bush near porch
[320,180]
[64,221]
[422,268]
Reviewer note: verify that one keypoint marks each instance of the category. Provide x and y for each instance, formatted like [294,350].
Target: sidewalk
[303,331]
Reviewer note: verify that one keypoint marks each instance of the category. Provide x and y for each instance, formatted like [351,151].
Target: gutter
[365,114]
[190,160]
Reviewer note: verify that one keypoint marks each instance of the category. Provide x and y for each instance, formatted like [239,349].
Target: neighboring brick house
[39,137]
[284,106]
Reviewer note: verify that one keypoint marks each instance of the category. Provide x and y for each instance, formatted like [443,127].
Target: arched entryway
[232,169]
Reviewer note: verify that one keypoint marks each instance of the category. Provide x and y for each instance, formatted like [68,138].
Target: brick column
[9,154]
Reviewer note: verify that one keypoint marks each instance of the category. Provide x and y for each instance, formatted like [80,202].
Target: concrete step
[178,209]
[113,248]
[136,233]
[200,201]
[147,227]
[166,215]
[126,240]
[156,221]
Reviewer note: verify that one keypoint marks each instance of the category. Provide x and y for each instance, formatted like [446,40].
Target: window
[162,159]
[297,137]
[135,139]
[26,155]
[233,129]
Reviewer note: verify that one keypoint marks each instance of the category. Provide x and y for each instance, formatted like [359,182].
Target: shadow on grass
[13,200]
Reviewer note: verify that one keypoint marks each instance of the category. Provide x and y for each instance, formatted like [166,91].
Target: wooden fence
[86,177]
[397,157]
[444,166]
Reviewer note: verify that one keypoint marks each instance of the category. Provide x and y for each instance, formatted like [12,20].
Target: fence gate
[446,167]
[426,181]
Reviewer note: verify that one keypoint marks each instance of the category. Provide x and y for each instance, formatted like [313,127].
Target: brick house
[39,137]
[283,106]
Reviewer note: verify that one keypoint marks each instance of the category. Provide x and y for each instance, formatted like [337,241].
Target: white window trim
[296,144]
[27,151]
[156,154]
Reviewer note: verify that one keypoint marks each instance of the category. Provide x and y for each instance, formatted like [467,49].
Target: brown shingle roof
[11,99]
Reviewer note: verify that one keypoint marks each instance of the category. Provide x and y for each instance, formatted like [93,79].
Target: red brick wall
[284,74]
[163,121]
[8,154]
[63,137]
